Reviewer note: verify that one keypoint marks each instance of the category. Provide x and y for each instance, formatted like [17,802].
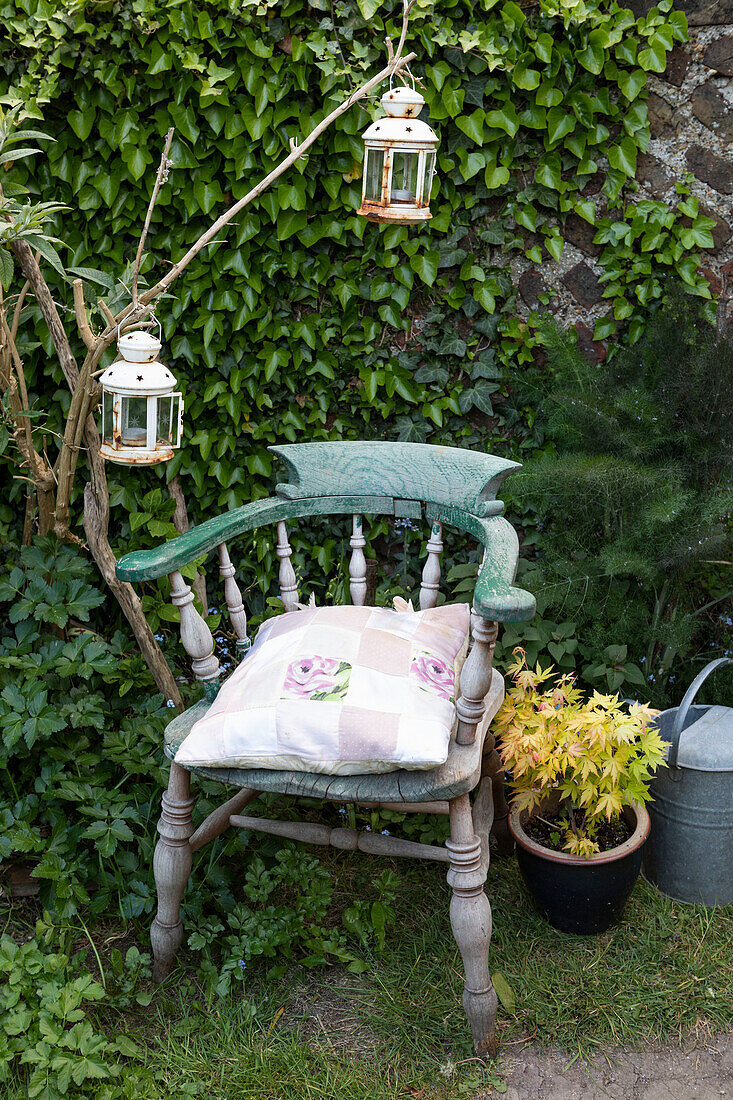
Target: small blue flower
[242,964]
[169,703]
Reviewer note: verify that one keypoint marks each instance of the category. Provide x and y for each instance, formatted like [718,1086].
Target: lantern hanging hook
[402,78]
[152,318]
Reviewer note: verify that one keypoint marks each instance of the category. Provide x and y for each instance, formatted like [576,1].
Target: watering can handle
[686,703]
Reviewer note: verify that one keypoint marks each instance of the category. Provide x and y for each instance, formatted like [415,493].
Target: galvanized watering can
[689,854]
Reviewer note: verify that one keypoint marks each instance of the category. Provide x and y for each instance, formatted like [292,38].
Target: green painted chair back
[443,485]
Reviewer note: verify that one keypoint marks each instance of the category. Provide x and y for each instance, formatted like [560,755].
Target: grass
[663,974]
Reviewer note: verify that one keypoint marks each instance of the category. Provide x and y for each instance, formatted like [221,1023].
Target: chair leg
[171,866]
[470,917]
[492,766]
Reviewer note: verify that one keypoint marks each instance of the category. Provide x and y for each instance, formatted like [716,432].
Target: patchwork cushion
[344,690]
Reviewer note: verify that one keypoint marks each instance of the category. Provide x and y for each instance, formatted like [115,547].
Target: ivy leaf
[425,264]
[496,176]
[81,121]
[505,119]
[548,172]
[622,157]
[369,8]
[560,123]
[593,55]
[632,83]
[472,125]
[484,297]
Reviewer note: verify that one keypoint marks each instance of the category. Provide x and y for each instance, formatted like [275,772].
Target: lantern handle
[412,78]
[152,318]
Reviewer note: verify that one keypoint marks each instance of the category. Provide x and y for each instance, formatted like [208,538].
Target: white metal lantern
[141,414]
[399,161]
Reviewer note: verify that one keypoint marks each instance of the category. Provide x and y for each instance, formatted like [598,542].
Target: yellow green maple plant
[595,755]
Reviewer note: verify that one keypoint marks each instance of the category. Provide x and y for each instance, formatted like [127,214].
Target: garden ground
[643,1011]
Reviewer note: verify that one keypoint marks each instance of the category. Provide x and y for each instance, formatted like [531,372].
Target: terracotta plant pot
[584,896]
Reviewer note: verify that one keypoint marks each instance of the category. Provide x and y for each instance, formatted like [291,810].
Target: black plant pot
[584,896]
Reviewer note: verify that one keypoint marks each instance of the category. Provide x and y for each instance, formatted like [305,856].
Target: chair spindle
[288,583]
[196,637]
[357,565]
[233,597]
[431,572]
[475,678]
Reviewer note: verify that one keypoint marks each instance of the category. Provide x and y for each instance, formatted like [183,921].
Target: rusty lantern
[399,161]
[141,413]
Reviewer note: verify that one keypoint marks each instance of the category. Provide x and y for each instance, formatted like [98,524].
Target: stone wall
[691,118]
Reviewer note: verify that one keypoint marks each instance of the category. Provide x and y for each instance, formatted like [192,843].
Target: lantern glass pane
[133,430]
[429,171]
[176,419]
[165,420]
[373,175]
[404,177]
[107,400]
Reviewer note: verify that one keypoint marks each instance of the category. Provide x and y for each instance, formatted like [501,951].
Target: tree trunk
[96,526]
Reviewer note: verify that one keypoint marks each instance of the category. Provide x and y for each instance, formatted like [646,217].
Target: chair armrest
[495,596]
[496,600]
[147,565]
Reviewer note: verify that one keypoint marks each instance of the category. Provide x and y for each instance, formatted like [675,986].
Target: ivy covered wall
[305,322]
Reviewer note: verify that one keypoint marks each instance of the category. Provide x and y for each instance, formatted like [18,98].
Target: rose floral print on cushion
[434,674]
[345,690]
[317,678]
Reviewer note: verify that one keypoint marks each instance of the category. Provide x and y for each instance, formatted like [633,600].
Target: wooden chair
[446,486]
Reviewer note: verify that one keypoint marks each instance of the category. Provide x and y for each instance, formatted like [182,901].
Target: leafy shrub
[633,494]
[81,777]
[47,1039]
[594,754]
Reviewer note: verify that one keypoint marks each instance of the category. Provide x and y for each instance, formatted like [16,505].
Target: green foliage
[22,221]
[47,1036]
[304,321]
[633,495]
[67,724]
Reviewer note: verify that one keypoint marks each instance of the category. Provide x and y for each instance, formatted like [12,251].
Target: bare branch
[160,178]
[81,314]
[111,319]
[18,309]
[29,266]
[22,388]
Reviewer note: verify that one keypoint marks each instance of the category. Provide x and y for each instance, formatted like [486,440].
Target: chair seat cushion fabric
[339,690]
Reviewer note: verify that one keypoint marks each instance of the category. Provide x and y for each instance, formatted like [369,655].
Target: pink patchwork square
[384,652]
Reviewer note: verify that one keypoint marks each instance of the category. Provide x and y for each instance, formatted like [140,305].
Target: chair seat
[459,774]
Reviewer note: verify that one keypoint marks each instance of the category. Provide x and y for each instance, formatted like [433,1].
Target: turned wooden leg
[483,818]
[171,866]
[470,918]
[492,766]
